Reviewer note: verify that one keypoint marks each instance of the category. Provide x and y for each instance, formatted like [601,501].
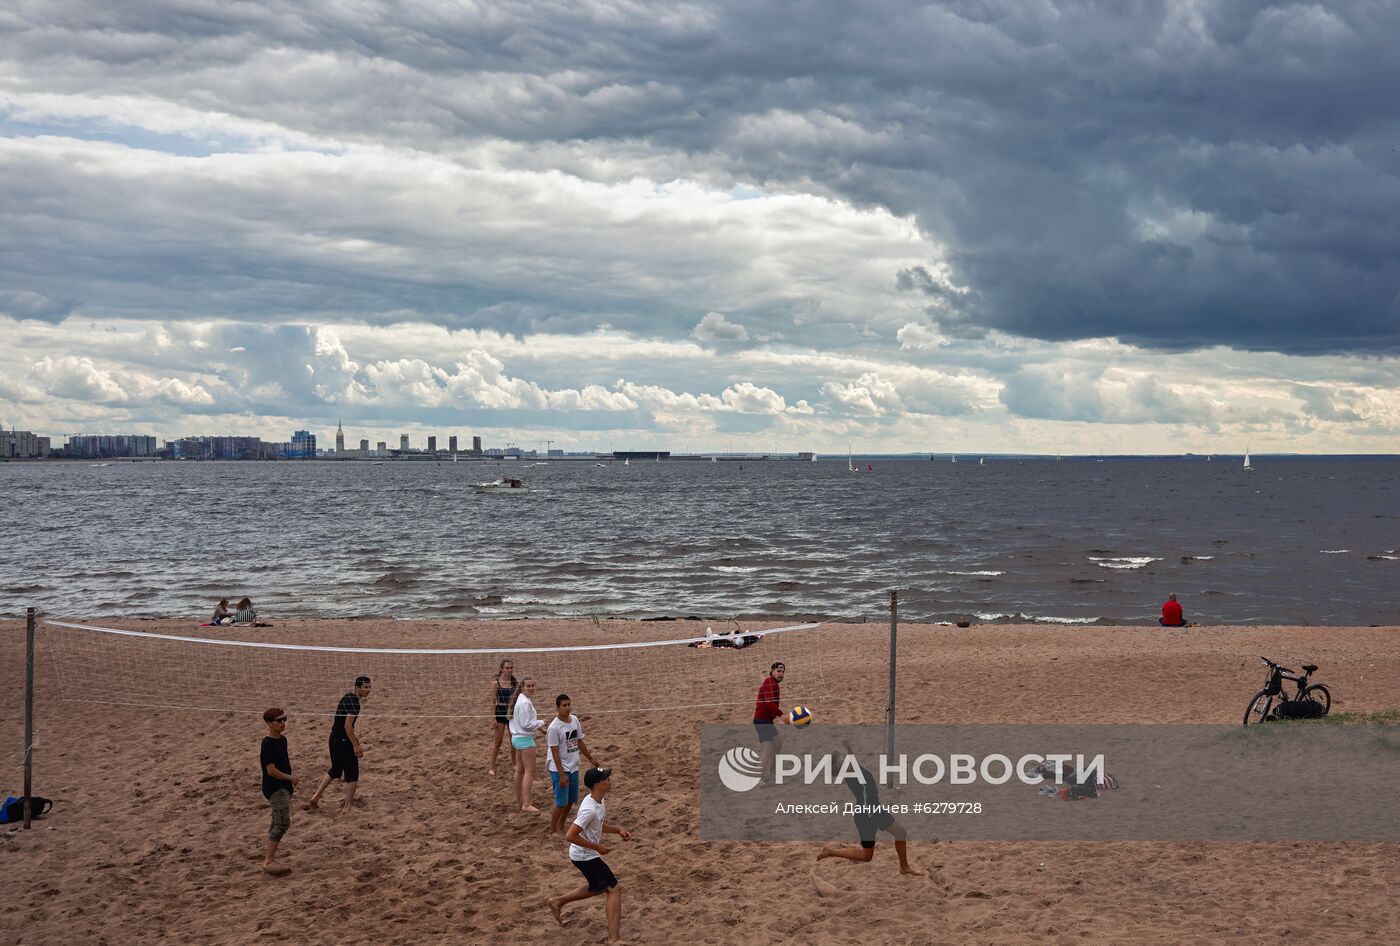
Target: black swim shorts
[343,761]
[868,825]
[599,875]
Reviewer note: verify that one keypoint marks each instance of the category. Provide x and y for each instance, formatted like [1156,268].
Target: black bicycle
[1267,701]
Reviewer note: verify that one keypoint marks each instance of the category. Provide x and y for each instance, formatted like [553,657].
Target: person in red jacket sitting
[1171,613]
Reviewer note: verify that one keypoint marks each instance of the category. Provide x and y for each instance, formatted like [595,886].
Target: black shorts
[599,875]
[343,761]
[767,731]
[868,825]
[502,718]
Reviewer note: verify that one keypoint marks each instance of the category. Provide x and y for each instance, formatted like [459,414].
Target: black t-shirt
[274,751]
[349,705]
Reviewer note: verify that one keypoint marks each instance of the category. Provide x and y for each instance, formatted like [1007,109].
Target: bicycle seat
[1309,668]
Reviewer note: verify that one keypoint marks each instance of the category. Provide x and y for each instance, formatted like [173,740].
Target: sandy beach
[158,823]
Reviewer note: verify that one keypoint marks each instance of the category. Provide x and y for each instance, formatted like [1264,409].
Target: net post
[28,714]
[889,708]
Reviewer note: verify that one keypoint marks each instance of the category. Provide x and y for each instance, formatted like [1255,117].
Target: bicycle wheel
[1259,708]
[1319,692]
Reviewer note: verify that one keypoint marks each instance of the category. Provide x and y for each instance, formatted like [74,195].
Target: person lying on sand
[867,794]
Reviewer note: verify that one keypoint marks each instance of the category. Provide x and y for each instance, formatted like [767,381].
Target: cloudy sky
[975,226]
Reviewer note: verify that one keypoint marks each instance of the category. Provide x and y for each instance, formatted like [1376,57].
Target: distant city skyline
[1065,227]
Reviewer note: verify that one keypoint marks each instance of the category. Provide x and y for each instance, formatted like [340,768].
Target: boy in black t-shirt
[278,783]
[345,746]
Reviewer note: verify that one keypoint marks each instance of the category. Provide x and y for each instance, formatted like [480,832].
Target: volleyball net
[121,666]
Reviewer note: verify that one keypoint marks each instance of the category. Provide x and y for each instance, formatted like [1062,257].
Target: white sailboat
[982,461]
[955,458]
[627,461]
[1247,465]
[850,463]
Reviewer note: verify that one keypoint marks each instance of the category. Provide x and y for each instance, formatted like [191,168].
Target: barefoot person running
[524,723]
[278,783]
[870,819]
[586,850]
[344,746]
[501,688]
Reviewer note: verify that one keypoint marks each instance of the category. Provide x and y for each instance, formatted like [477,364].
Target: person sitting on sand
[563,742]
[1172,615]
[345,747]
[501,688]
[586,852]
[870,819]
[278,783]
[222,613]
[246,614]
[524,724]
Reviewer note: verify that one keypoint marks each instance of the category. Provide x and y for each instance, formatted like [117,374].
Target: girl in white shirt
[524,723]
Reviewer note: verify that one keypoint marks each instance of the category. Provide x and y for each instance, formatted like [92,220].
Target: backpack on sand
[12,811]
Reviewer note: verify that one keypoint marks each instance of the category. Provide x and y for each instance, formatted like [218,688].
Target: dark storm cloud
[1174,174]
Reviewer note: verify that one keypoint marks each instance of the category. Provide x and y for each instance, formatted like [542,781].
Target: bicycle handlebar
[1276,666]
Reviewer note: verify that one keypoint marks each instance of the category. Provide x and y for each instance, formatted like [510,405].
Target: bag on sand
[1300,709]
[12,811]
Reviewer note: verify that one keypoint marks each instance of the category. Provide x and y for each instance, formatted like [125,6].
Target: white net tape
[117,666]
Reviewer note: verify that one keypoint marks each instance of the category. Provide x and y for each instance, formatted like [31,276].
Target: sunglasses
[280,719]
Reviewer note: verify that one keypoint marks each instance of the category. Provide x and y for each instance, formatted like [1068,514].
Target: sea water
[1296,541]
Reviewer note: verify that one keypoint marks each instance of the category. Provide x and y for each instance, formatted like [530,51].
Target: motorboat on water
[507,485]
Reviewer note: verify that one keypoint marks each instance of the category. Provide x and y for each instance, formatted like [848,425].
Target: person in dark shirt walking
[345,746]
[278,783]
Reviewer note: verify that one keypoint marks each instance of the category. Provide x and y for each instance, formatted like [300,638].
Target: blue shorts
[565,791]
[522,742]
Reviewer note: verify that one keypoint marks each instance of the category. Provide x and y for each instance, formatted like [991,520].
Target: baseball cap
[594,776]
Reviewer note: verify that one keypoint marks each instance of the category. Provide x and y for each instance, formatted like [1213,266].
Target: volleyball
[800,716]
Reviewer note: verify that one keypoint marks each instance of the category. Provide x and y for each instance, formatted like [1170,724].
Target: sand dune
[158,824]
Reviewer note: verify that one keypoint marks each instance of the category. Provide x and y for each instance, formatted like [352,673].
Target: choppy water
[1297,541]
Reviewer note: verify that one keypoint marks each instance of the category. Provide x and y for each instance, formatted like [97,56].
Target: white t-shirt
[524,721]
[566,737]
[590,818]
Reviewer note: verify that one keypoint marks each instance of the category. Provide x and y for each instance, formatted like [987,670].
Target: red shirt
[1171,612]
[766,709]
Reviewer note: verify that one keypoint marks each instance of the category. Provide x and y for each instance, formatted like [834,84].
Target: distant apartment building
[222,448]
[432,445]
[476,445]
[96,446]
[403,443]
[339,439]
[303,446]
[382,450]
[22,443]
[452,444]
[364,448]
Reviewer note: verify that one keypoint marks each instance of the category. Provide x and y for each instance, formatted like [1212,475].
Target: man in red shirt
[1171,613]
[766,713]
